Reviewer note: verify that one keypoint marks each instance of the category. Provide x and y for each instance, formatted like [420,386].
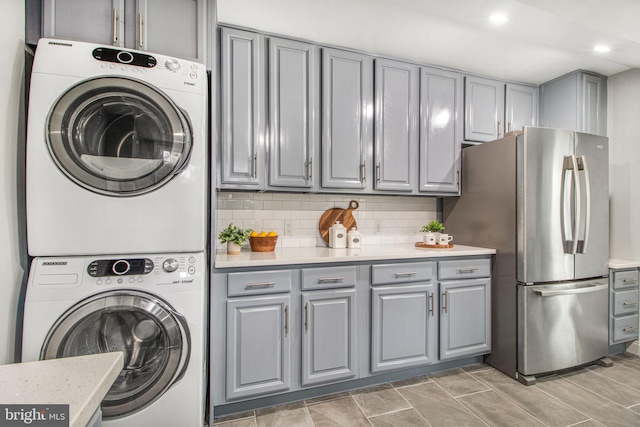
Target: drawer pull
[330,279]
[408,273]
[629,280]
[260,285]
[629,303]
[630,329]
[466,270]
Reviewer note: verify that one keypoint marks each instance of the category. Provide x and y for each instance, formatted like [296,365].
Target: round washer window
[153,337]
[118,136]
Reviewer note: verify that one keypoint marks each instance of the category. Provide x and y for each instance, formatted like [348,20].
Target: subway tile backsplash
[399,216]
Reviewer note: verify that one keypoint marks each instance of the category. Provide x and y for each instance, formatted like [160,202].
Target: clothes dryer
[150,307]
[116,152]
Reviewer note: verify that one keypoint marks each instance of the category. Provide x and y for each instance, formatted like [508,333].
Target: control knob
[170,265]
[120,267]
[172,64]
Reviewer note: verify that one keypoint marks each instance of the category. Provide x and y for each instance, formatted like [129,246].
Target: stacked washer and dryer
[117,222]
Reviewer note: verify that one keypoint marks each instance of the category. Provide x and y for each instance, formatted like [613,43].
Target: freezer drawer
[562,325]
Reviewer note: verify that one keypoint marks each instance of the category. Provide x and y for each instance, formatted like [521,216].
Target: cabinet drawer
[328,277]
[259,282]
[464,269]
[624,302]
[625,279]
[625,328]
[402,273]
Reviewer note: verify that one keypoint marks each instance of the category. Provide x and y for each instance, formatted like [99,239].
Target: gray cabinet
[441,110]
[328,336]
[347,127]
[484,109]
[623,305]
[243,109]
[396,125]
[521,107]
[258,346]
[293,112]
[576,101]
[170,27]
[403,326]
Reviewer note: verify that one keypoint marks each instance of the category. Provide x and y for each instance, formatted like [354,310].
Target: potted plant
[432,230]
[234,237]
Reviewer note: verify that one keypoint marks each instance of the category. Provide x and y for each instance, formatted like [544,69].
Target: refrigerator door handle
[582,166]
[581,290]
[569,221]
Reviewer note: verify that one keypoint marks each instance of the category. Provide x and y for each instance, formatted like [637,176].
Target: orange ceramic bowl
[263,244]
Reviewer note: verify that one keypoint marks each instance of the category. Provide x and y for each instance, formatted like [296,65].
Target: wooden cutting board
[332,215]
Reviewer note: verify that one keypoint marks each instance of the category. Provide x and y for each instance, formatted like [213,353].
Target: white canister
[354,239]
[337,236]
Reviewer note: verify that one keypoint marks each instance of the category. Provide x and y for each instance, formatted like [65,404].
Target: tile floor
[476,395]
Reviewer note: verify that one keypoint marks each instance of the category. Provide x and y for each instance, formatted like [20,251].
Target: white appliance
[116,152]
[151,307]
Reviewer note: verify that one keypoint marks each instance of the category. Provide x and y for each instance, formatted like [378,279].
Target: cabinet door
[396,137]
[293,109]
[440,130]
[328,336]
[594,105]
[94,21]
[258,346]
[347,95]
[403,327]
[521,107]
[171,27]
[465,318]
[484,109]
[242,109]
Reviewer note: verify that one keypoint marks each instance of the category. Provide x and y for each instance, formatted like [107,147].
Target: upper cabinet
[440,130]
[171,27]
[576,101]
[521,107]
[347,123]
[484,109]
[396,125]
[293,111]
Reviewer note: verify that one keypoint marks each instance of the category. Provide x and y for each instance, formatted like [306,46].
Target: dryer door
[153,337]
[118,136]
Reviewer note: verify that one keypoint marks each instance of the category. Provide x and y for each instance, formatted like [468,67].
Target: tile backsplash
[380,219]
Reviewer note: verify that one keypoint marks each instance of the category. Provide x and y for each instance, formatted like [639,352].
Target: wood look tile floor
[476,395]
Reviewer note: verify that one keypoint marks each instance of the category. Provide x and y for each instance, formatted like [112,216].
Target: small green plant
[234,234]
[434,226]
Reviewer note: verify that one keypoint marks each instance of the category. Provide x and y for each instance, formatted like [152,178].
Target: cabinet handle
[378,168]
[499,128]
[260,285]
[310,168]
[255,164]
[286,320]
[629,280]
[306,317]
[467,270]
[445,301]
[629,303]
[115,26]
[408,273]
[363,170]
[330,279]
[140,32]
[630,329]
[431,301]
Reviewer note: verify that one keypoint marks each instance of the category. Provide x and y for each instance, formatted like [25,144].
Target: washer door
[118,136]
[153,337]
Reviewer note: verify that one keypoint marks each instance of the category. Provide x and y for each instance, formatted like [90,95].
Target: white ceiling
[543,39]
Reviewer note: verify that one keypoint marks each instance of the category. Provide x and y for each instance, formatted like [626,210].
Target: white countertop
[623,263]
[81,382]
[317,255]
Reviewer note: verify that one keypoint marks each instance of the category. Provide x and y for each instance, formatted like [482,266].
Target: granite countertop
[623,263]
[81,382]
[319,255]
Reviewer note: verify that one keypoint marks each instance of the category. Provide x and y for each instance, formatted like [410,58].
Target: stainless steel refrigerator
[542,200]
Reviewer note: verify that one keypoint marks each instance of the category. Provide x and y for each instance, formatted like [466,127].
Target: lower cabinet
[328,336]
[623,305]
[258,345]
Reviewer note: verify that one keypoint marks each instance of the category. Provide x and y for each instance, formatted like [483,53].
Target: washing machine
[116,156]
[151,307]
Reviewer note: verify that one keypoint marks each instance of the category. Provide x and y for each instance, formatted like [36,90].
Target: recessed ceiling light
[602,48]
[498,18]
